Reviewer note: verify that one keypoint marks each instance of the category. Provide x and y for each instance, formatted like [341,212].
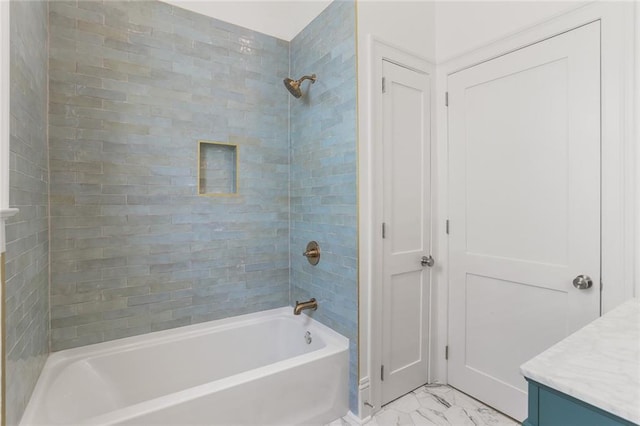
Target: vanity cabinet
[548,407]
[590,378]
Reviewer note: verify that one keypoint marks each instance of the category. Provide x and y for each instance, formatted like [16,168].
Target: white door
[524,162]
[407,230]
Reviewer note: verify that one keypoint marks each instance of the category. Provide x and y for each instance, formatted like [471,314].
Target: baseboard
[353,419]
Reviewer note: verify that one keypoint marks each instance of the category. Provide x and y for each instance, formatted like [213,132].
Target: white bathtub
[253,369]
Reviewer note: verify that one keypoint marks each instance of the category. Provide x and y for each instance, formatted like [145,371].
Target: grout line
[289,145]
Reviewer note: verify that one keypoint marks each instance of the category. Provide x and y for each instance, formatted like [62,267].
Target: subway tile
[102,30]
[125,313]
[75,320]
[100,306]
[99,326]
[164,325]
[101,93]
[93,286]
[88,339]
[149,319]
[126,67]
[66,333]
[119,333]
[99,263]
[72,12]
[116,293]
[99,72]
[148,299]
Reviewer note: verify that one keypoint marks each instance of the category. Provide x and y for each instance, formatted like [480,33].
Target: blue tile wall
[134,249]
[323,173]
[27,268]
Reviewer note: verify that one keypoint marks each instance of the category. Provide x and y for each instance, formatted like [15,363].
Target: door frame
[618,162]
[371,318]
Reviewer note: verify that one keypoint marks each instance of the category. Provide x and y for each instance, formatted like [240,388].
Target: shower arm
[311,77]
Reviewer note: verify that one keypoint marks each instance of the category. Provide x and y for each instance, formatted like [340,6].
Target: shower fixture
[312,253]
[293,86]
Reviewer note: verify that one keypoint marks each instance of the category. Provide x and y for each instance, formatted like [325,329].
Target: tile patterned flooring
[439,405]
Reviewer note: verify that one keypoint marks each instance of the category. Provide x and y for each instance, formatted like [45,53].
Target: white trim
[4,215]
[364,395]
[636,214]
[7,213]
[5,48]
[370,98]
[440,300]
[496,40]
[352,419]
[617,143]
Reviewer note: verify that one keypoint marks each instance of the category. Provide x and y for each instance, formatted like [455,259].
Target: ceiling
[281,19]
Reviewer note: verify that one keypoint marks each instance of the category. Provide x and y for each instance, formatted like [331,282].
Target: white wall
[410,27]
[441,32]
[462,26]
[4,110]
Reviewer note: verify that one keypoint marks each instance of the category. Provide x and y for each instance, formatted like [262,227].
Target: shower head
[293,86]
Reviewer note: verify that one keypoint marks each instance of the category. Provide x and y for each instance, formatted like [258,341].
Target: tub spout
[301,306]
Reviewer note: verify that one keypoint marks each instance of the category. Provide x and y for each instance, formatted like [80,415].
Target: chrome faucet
[301,306]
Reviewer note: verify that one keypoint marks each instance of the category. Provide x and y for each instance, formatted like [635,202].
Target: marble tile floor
[439,405]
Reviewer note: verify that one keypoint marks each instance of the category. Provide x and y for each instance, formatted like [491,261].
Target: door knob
[582,282]
[427,261]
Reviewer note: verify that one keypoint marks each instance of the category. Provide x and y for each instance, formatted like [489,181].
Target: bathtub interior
[89,382]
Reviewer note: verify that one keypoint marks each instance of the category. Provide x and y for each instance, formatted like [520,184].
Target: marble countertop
[599,364]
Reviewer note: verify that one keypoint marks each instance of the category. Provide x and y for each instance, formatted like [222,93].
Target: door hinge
[384,85]
[384,230]
[382,373]
[446,352]
[446,98]
[447,226]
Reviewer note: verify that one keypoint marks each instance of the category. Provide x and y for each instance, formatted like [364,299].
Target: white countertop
[599,364]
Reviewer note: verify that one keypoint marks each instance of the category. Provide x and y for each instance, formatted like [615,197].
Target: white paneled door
[407,230]
[524,182]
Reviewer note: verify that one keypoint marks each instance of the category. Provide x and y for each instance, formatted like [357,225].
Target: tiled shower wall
[133,87]
[323,173]
[27,268]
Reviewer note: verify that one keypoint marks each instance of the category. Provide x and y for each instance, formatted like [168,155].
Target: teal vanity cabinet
[548,407]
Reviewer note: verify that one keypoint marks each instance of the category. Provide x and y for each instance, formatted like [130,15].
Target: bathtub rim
[335,343]
[193,330]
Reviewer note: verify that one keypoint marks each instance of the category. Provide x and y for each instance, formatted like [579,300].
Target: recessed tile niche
[217,168]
